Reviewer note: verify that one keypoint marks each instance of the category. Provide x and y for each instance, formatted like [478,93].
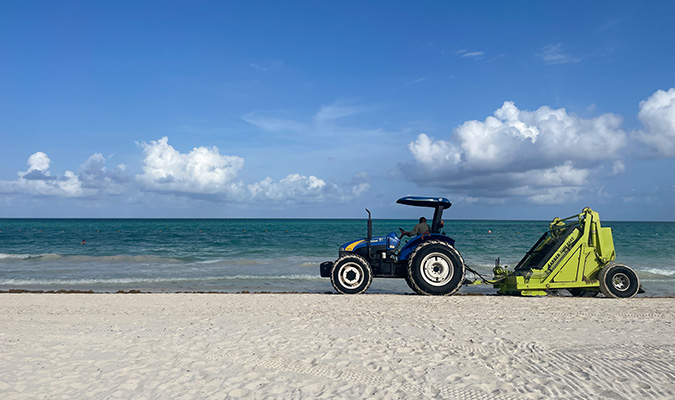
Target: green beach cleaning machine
[575,254]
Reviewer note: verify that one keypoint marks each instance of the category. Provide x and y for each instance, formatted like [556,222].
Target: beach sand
[314,346]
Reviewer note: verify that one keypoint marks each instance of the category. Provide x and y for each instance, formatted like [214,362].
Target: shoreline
[136,291]
[310,346]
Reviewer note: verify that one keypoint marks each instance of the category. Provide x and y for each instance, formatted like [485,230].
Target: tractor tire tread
[363,261]
[411,260]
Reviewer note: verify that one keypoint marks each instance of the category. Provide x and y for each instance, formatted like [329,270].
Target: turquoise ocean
[268,255]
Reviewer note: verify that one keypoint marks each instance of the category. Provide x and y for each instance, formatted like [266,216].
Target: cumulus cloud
[619,167]
[38,162]
[201,171]
[657,115]
[528,139]
[542,155]
[38,180]
[94,174]
[359,184]
[294,186]
[205,173]
[300,188]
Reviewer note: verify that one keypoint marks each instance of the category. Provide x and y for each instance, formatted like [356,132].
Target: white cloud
[558,176]
[553,54]
[205,173]
[657,115]
[559,195]
[432,154]
[38,161]
[359,184]
[528,138]
[519,153]
[201,171]
[38,180]
[294,186]
[470,54]
[300,188]
[618,168]
[94,174]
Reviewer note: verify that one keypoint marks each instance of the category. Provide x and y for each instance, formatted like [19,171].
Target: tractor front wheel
[351,274]
[435,268]
[618,281]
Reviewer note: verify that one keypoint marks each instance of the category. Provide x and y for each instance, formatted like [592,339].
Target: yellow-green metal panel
[605,245]
[569,271]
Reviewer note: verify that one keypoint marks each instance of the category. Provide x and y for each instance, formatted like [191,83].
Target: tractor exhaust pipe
[370,232]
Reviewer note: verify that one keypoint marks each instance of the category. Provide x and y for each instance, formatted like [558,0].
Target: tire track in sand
[369,378]
[351,375]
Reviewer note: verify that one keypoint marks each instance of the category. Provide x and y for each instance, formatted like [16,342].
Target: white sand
[311,346]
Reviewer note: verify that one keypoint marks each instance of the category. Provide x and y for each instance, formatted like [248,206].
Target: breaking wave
[153,281]
[5,256]
[122,258]
[655,272]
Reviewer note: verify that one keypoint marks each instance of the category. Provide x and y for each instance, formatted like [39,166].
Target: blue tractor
[429,263]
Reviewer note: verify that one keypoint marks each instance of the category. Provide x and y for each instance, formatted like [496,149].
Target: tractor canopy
[437,203]
[418,201]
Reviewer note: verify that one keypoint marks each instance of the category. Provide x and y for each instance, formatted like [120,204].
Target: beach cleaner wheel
[618,281]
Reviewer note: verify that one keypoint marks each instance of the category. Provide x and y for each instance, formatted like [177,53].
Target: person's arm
[408,233]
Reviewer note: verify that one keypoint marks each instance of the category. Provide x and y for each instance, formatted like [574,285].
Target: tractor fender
[325,269]
[412,244]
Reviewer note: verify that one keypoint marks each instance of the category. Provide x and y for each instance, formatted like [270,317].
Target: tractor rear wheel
[435,268]
[351,274]
[618,281]
[409,282]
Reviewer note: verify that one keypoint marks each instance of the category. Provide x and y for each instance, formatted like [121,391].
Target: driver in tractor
[419,229]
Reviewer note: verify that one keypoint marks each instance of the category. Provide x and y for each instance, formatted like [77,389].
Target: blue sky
[512,110]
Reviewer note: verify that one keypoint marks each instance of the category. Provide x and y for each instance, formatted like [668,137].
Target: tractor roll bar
[437,203]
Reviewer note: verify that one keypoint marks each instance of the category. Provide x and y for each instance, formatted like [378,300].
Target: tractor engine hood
[391,240]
